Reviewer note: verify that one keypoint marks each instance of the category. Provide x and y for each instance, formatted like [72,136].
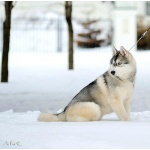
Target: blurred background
[45,71]
[94,24]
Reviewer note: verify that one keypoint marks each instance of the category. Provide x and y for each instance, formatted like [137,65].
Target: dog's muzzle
[113,72]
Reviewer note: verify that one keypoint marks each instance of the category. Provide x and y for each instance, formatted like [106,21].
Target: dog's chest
[125,90]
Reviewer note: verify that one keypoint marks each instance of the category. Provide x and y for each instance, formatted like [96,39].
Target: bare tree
[68,12]
[6,40]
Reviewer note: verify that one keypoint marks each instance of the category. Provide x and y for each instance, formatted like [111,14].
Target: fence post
[59,35]
[1,34]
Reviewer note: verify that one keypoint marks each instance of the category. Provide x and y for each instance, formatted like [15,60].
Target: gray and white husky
[110,92]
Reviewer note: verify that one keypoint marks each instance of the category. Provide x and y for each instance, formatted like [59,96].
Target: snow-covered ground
[41,82]
[23,130]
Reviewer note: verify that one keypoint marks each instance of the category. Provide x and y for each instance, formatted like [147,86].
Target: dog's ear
[115,51]
[123,51]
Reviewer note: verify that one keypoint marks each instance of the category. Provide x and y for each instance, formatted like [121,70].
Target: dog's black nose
[112,72]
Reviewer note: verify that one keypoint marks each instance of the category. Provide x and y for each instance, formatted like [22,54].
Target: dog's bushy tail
[47,117]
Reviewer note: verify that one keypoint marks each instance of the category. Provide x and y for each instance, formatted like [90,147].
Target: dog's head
[122,64]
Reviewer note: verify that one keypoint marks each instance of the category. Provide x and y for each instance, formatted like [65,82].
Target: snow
[109,133]
[40,81]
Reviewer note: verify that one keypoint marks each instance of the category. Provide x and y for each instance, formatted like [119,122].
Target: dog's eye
[119,63]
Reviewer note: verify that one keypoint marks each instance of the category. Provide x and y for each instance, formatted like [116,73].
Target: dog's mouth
[118,78]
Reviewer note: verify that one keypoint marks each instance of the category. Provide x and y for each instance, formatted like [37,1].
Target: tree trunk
[68,11]
[6,40]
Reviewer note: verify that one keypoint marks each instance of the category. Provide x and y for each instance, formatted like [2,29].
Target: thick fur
[111,92]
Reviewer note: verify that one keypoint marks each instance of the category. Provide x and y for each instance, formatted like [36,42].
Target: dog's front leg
[118,108]
[127,104]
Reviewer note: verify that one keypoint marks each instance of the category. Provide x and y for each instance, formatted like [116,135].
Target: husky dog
[111,92]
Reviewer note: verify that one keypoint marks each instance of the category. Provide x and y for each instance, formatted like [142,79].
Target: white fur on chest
[124,91]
